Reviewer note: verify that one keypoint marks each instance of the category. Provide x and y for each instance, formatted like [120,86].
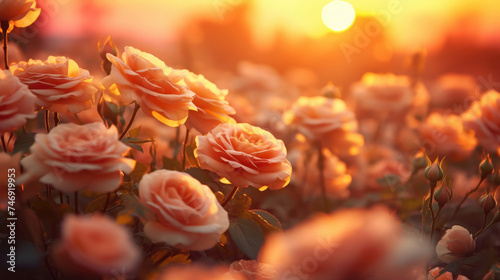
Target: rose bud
[434,172]
[487,202]
[106,46]
[486,167]
[442,195]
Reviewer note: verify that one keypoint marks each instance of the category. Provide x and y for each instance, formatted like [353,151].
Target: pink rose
[58,83]
[17,103]
[78,157]
[483,117]
[186,213]
[327,120]
[210,101]
[252,270]
[95,245]
[19,13]
[245,155]
[145,79]
[347,244]
[457,242]
[197,272]
[433,275]
[446,137]
[454,91]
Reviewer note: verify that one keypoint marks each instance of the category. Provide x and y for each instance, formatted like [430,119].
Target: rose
[328,121]
[336,246]
[95,244]
[483,117]
[209,100]
[197,272]
[244,155]
[143,78]
[78,157]
[457,242]
[252,270]
[186,214]
[452,90]
[17,103]
[433,275]
[19,13]
[58,83]
[448,135]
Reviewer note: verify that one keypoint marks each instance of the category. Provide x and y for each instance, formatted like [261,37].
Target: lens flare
[338,15]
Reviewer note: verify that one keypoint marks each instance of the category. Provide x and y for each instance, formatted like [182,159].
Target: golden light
[338,15]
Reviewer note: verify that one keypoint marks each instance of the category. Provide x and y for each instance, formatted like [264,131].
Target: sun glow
[338,15]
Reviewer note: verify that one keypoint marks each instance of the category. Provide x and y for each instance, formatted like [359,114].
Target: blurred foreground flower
[209,100]
[433,275]
[58,83]
[78,157]
[348,244]
[483,117]
[17,103]
[197,272]
[457,242]
[145,79]
[186,213]
[328,121]
[445,136]
[252,270]
[18,13]
[94,245]
[244,155]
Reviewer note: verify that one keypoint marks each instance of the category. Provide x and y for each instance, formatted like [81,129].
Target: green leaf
[268,217]
[139,171]
[133,133]
[24,142]
[135,140]
[204,177]
[96,205]
[171,164]
[247,236]
[135,147]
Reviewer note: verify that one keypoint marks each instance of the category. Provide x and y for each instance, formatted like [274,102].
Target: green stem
[433,221]
[136,108]
[467,196]
[229,197]
[5,28]
[184,156]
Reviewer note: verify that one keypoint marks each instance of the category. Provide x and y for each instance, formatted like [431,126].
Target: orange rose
[453,91]
[446,137]
[433,275]
[483,117]
[457,242]
[209,100]
[17,103]
[143,78]
[252,270]
[186,213]
[58,83]
[245,155]
[19,13]
[348,244]
[197,272]
[95,245]
[329,121]
[78,157]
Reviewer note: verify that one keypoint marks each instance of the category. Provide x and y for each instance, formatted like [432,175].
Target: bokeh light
[338,15]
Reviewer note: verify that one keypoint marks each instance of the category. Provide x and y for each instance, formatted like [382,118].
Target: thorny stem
[5,27]
[467,196]
[229,197]
[184,146]
[136,108]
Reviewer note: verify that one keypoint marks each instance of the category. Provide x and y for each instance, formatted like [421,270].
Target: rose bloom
[306,174]
[329,121]
[347,244]
[141,77]
[186,213]
[19,13]
[457,242]
[453,91]
[58,83]
[198,272]
[209,100]
[433,275]
[244,155]
[17,103]
[446,135]
[78,157]
[252,270]
[95,245]
[483,117]
[388,95]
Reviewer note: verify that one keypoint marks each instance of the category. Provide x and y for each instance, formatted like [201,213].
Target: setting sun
[338,15]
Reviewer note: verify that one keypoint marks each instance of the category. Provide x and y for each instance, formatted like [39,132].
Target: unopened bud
[106,46]
[434,172]
[486,167]
[419,161]
[442,195]
[487,202]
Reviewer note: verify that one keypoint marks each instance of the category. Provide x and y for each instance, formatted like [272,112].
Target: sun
[338,15]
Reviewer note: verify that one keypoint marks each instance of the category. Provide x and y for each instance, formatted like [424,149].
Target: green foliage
[247,235]
[23,142]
